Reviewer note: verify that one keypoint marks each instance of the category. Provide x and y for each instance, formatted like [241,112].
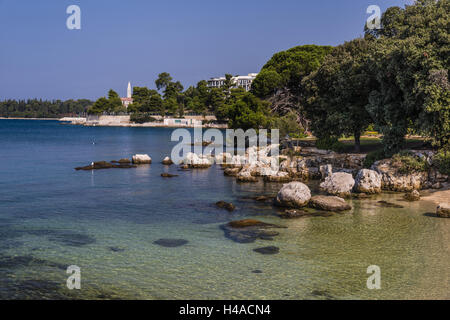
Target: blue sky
[135,40]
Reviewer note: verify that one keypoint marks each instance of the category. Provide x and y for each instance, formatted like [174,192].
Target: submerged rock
[122,161]
[389,205]
[328,203]
[338,184]
[247,231]
[142,159]
[171,243]
[225,205]
[368,181]
[294,195]
[412,196]
[443,210]
[104,165]
[294,214]
[267,250]
[168,175]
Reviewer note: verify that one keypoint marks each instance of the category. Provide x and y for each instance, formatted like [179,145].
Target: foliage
[249,112]
[288,125]
[329,143]
[442,162]
[338,92]
[286,69]
[373,157]
[138,117]
[34,108]
[408,162]
[410,62]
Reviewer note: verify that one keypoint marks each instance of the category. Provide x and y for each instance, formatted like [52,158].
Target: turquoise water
[106,221]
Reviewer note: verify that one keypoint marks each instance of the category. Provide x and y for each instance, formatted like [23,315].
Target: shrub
[373,157]
[141,118]
[329,143]
[410,163]
[442,162]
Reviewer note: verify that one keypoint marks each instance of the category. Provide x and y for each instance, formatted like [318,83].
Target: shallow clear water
[52,216]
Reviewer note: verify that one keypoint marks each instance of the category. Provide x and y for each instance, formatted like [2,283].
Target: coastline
[14,118]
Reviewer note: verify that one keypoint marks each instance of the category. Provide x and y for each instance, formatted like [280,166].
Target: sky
[135,40]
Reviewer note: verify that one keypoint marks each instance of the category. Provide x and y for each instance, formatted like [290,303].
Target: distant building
[239,81]
[128,100]
[182,122]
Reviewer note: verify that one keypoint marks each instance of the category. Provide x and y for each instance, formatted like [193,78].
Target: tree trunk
[357,142]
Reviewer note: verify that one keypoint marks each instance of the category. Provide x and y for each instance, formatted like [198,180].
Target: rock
[167,161]
[142,159]
[326,171]
[250,223]
[443,210]
[294,194]
[412,196]
[293,214]
[329,203]
[386,204]
[368,181]
[231,172]
[393,180]
[171,243]
[104,165]
[247,231]
[122,161]
[197,161]
[262,198]
[278,177]
[246,176]
[168,175]
[338,184]
[437,186]
[267,250]
[360,196]
[226,205]
[97,166]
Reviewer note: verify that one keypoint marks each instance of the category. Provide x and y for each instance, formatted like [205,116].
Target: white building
[239,81]
[182,122]
[128,100]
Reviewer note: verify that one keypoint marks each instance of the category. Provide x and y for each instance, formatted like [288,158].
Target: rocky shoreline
[341,176]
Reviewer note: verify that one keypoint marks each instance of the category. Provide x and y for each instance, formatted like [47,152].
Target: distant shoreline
[2,118]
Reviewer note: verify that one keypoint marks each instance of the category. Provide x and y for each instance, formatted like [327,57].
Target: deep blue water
[106,222]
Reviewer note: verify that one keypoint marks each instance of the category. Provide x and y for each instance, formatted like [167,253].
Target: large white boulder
[368,181]
[196,161]
[142,159]
[338,184]
[294,194]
